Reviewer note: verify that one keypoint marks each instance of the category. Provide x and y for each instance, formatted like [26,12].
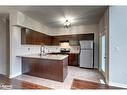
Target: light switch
[116,48]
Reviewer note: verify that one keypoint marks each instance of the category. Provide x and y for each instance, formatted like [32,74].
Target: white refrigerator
[86,54]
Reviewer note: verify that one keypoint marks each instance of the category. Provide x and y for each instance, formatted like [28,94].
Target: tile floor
[73,73]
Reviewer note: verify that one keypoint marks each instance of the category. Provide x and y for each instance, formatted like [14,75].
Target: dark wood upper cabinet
[29,36]
[32,37]
[74,37]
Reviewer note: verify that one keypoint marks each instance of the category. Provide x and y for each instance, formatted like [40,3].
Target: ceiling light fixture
[67,24]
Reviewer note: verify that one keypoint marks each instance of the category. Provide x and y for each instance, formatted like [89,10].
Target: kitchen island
[54,67]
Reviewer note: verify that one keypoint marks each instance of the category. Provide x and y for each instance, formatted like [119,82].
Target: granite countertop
[45,56]
[64,53]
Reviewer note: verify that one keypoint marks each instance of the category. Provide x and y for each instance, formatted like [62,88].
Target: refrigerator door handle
[80,48]
[91,45]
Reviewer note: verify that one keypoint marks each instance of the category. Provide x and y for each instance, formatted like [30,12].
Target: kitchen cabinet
[73,59]
[55,41]
[73,39]
[45,68]
[32,37]
[29,36]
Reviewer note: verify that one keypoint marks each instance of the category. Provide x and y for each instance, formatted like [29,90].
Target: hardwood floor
[73,73]
[6,83]
[81,84]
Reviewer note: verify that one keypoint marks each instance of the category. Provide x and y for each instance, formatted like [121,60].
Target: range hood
[74,43]
[69,43]
[64,44]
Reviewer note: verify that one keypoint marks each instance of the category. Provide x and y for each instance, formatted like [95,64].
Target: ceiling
[54,16]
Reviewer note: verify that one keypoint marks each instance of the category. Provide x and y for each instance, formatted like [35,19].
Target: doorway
[103,53]
[102,66]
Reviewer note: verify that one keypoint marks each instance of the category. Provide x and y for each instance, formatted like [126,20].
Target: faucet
[42,51]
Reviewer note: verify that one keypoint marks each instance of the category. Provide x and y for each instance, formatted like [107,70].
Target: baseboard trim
[12,76]
[118,85]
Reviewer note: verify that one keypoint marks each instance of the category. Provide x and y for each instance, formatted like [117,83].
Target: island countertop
[48,66]
[45,56]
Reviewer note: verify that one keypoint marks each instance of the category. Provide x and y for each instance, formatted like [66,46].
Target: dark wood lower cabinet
[73,59]
[49,69]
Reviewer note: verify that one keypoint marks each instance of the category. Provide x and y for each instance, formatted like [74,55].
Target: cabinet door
[47,40]
[29,36]
[73,60]
[55,41]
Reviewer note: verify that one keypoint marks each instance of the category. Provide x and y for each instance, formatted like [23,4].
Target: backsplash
[73,49]
[30,49]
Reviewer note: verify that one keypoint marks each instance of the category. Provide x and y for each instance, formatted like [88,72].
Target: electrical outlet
[28,49]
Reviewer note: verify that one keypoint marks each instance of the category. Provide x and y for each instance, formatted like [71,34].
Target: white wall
[23,20]
[3,47]
[18,49]
[118,45]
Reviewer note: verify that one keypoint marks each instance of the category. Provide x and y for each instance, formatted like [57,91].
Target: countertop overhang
[45,56]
